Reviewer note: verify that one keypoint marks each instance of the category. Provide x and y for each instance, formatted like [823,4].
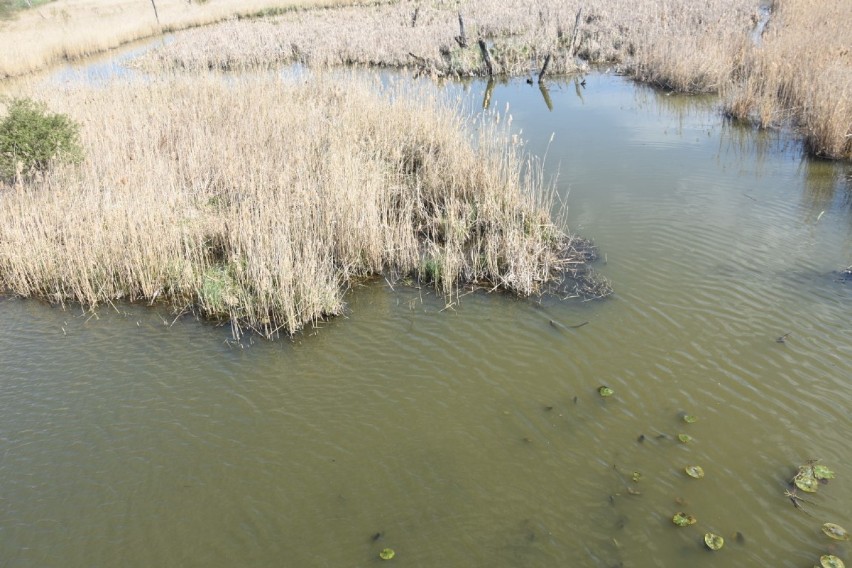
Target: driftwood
[461,39]
[486,56]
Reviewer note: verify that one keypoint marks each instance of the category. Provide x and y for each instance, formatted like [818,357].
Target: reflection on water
[475,435]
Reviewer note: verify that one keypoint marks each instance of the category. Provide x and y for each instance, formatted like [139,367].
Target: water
[474,435]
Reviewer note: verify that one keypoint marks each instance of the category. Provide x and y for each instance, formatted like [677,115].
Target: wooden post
[414,16]
[543,69]
[486,57]
[574,32]
[462,37]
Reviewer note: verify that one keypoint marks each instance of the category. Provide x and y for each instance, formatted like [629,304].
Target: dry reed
[259,201]
[71,29]
[801,74]
[652,39]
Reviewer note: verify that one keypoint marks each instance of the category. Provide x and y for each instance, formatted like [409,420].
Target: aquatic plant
[810,475]
[683,520]
[387,554]
[713,541]
[830,561]
[694,471]
[835,532]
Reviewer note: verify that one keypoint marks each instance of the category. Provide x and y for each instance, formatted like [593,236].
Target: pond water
[475,435]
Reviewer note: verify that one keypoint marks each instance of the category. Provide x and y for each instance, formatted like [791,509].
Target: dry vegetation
[801,74]
[34,38]
[798,73]
[260,201]
[660,42]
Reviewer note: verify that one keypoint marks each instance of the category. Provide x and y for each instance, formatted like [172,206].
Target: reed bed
[260,201]
[65,30]
[797,73]
[658,43]
[800,73]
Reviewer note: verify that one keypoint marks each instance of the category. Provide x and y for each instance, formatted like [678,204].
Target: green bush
[33,138]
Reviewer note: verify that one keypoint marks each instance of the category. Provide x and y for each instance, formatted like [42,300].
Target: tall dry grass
[660,42]
[260,201]
[801,74]
[70,29]
[798,73]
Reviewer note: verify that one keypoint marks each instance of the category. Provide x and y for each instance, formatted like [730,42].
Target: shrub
[32,139]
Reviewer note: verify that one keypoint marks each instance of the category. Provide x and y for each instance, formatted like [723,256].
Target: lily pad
[822,472]
[684,438]
[714,541]
[831,561]
[683,520]
[387,554]
[636,476]
[689,418]
[805,481]
[835,531]
[694,471]
[605,391]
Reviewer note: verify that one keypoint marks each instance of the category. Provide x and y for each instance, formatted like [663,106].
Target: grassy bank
[34,38]
[260,202]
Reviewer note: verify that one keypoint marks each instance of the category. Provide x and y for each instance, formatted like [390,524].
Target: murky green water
[474,436]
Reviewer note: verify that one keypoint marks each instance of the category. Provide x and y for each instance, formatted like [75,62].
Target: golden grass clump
[801,74]
[259,201]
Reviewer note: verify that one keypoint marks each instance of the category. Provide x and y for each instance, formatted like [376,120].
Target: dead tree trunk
[574,32]
[461,39]
[486,56]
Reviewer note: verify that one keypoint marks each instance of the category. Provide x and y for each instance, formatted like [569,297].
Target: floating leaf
[605,391]
[822,472]
[683,520]
[689,418]
[835,531]
[805,481]
[387,554]
[694,471]
[831,561]
[713,541]
[685,438]
[636,476]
